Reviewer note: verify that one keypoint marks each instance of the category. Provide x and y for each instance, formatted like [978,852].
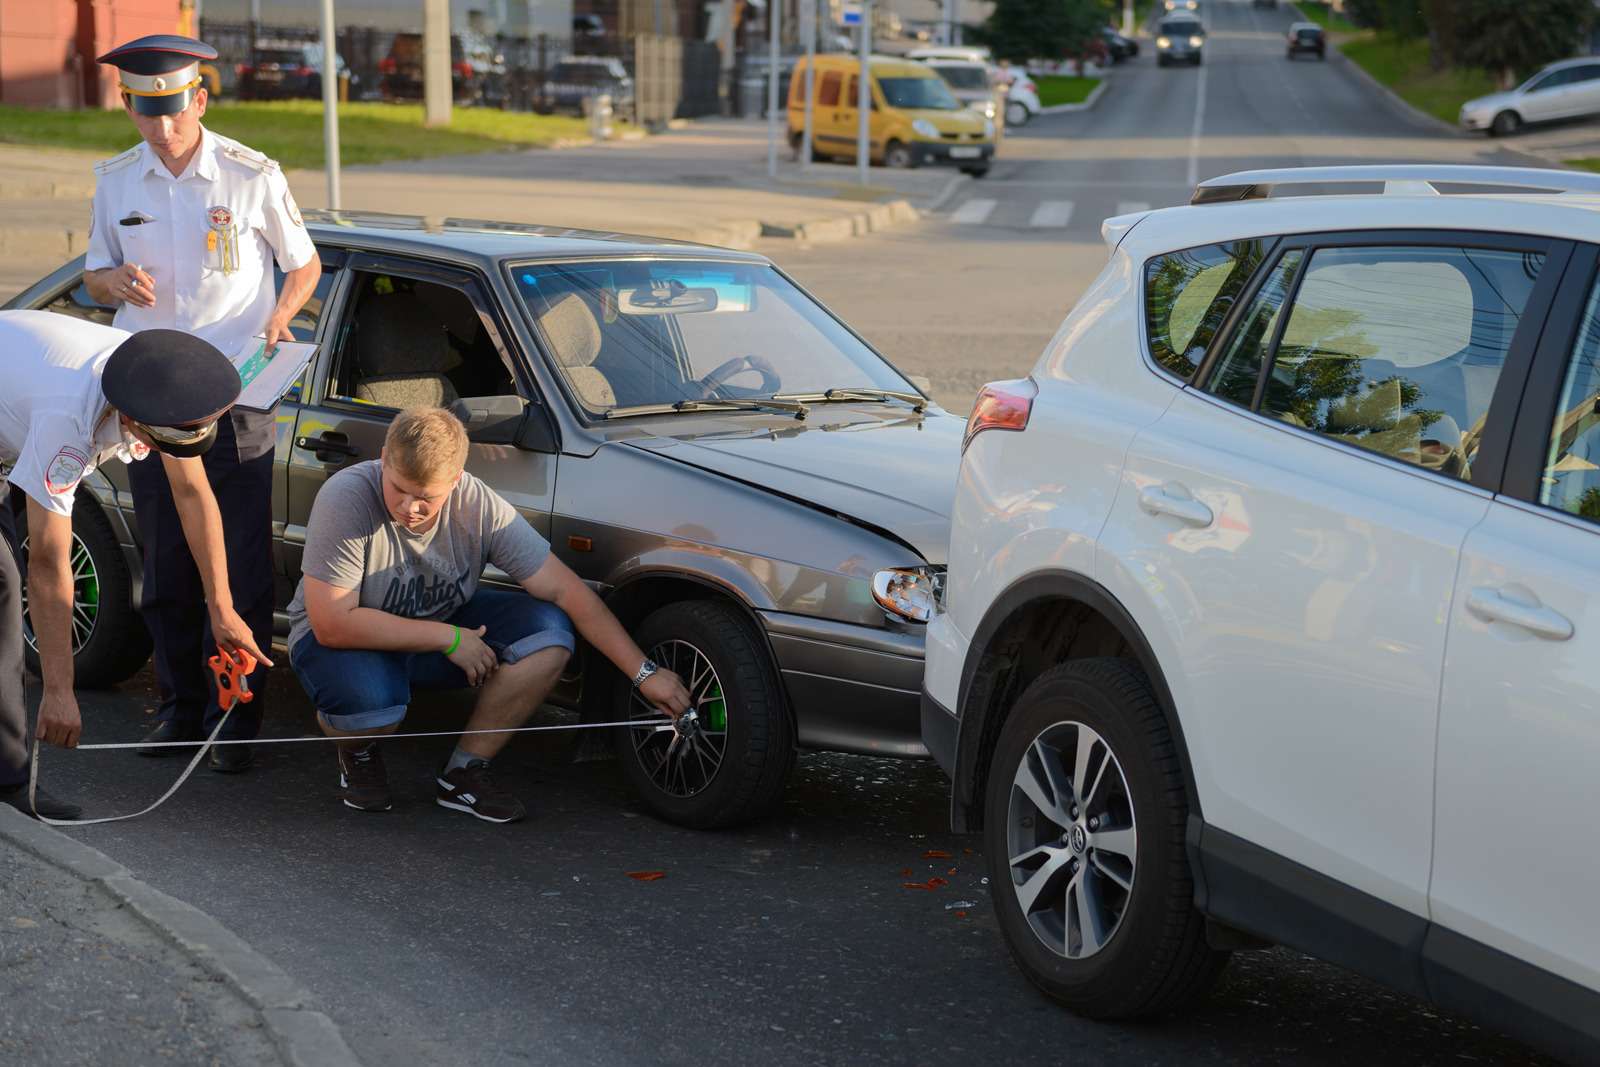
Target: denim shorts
[361,689]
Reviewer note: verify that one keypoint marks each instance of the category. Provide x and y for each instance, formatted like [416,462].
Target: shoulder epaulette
[115,163]
[250,158]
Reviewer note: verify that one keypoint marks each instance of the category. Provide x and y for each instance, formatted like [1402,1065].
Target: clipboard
[265,379]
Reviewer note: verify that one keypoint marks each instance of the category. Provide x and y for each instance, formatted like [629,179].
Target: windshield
[911,93]
[961,77]
[1182,28]
[626,333]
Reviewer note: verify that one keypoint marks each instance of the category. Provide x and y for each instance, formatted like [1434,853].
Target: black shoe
[230,759]
[170,731]
[364,780]
[472,789]
[50,807]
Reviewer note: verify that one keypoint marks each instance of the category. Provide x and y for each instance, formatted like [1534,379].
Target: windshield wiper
[784,404]
[917,401]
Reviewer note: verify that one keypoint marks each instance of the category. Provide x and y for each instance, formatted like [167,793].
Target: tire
[899,156]
[976,172]
[1505,124]
[1161,61]
[757,745]
[117,644]
[1017,113]
[1153,957]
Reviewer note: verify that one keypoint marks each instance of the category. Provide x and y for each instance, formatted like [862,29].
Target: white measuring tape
[687,718]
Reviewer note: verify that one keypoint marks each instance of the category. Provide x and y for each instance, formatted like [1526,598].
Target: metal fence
[672,77]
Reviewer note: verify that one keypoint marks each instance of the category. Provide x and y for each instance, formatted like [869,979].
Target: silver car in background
[1569,89]
[758,495]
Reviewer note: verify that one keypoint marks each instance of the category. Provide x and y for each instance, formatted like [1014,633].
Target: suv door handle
[1512,606]
[327,445]
[1174,500]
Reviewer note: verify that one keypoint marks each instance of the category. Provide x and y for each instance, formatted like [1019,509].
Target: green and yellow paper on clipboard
[265,379]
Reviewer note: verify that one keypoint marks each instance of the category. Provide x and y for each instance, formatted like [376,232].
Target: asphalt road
[430,937]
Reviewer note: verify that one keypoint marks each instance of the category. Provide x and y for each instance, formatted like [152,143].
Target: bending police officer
[80,394]
[185,230]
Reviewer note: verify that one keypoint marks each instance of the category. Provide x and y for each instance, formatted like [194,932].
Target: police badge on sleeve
[65,471]
[292,208]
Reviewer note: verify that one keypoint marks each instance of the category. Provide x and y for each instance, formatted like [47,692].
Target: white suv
[1273,608]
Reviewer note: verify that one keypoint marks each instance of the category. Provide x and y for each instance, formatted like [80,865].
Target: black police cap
[160,53]
[169,378]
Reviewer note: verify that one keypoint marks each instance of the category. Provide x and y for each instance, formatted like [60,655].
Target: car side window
[1398,350]
[828,91]
[410,341]
[1571,479]
[1237,371]
[304,324]
[1187,296]
[77,303]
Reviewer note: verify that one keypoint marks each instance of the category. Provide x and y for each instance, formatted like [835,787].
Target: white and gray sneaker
[363,781]
[472,789]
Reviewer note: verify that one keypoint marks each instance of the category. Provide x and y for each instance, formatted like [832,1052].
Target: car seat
[574,336]
[401,354]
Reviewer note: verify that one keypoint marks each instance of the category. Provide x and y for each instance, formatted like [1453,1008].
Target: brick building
[47,47]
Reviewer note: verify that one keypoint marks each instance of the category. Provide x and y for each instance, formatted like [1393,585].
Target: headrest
[572,331]
[399,334]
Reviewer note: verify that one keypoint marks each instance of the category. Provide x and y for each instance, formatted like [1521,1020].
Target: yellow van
[915,118]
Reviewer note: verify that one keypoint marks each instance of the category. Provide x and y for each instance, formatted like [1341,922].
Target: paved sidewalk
[98,968]
[707,182]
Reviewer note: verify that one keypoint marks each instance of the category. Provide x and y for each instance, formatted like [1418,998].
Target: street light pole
[864,96]
[330,106]
[773,8]
[1127,18]
[808,30]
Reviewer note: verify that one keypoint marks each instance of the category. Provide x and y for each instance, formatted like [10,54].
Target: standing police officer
[185,230]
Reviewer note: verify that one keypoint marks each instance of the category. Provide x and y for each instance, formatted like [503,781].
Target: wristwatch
[646,669]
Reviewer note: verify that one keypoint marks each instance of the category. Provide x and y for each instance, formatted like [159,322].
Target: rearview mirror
[669,298]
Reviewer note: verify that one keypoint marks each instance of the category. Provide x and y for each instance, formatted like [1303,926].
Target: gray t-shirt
[352,542]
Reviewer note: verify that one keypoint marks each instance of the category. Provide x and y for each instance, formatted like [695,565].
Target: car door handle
[327,445]
[1513,607]
[1175,500]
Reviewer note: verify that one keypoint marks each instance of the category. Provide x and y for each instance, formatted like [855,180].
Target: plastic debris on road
[936,854]
[646,876]
[930,885]
[954,904]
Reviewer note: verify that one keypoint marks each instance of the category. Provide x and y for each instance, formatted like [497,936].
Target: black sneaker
[472,789]
[50,807]
[364,780]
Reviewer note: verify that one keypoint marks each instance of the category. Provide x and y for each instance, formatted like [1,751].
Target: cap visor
[161,105]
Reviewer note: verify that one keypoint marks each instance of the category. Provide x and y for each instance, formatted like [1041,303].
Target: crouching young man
[389,602]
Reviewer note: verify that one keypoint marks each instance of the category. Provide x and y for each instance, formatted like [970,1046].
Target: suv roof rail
[1403,179]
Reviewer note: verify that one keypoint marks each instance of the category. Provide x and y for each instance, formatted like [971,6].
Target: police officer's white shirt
[55,424]
[224,180]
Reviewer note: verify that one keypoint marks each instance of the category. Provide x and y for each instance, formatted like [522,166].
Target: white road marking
[1130,207]
[1052,213]
[974,212]
[1194,133]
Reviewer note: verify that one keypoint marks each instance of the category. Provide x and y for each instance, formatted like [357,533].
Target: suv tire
[117,644]
[740,696]
[899,156]
[1505,124]
[1017,114]
[1154,957]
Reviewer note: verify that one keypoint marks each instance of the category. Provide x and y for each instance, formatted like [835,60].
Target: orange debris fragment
[646,876]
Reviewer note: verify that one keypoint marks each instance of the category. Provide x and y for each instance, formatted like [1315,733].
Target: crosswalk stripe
[1052,213]
[1129,207]
[974,212]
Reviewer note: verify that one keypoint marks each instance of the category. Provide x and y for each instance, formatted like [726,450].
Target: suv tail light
[463,70]
[1001,406]
[387,65]
[304,72]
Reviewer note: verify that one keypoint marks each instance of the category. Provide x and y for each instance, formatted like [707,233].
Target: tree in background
[1020,30]
[1505,37]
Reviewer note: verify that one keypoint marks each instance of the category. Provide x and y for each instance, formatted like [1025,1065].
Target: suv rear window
[1187,294]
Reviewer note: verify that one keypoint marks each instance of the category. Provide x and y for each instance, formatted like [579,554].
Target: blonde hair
[426,444]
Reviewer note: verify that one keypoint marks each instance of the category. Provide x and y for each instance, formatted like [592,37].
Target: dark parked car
[1118,47]
[684,424]
[286,72]
[576,78]
[1307,37]
[476,77]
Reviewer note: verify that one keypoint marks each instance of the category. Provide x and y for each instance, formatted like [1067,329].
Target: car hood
[962,120]
[879,465]
[1493,100]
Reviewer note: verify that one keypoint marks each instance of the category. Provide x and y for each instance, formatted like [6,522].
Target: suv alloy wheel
[1084,833]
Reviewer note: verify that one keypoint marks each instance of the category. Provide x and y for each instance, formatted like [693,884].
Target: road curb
[874,219]
[304,1036]
[1089,102]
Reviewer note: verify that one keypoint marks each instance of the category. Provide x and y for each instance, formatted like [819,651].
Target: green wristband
[456,643]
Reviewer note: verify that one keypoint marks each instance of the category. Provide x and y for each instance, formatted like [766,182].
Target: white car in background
[1273,605]
[1022,95]
[1569,89]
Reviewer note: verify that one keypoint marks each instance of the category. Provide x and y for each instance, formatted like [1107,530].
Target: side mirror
[507,420]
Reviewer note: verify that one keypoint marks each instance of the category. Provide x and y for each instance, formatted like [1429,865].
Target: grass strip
[1057,89]
[1403,67]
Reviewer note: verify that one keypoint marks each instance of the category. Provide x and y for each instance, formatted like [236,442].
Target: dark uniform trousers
[14,737]
[174,606]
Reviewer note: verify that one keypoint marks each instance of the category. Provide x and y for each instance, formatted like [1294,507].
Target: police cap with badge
[174,385]
[160,74]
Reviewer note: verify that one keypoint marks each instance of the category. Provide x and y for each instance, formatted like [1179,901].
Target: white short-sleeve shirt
[55,423]
[231,201]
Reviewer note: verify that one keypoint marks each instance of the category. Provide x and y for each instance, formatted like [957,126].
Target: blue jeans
[362,689]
